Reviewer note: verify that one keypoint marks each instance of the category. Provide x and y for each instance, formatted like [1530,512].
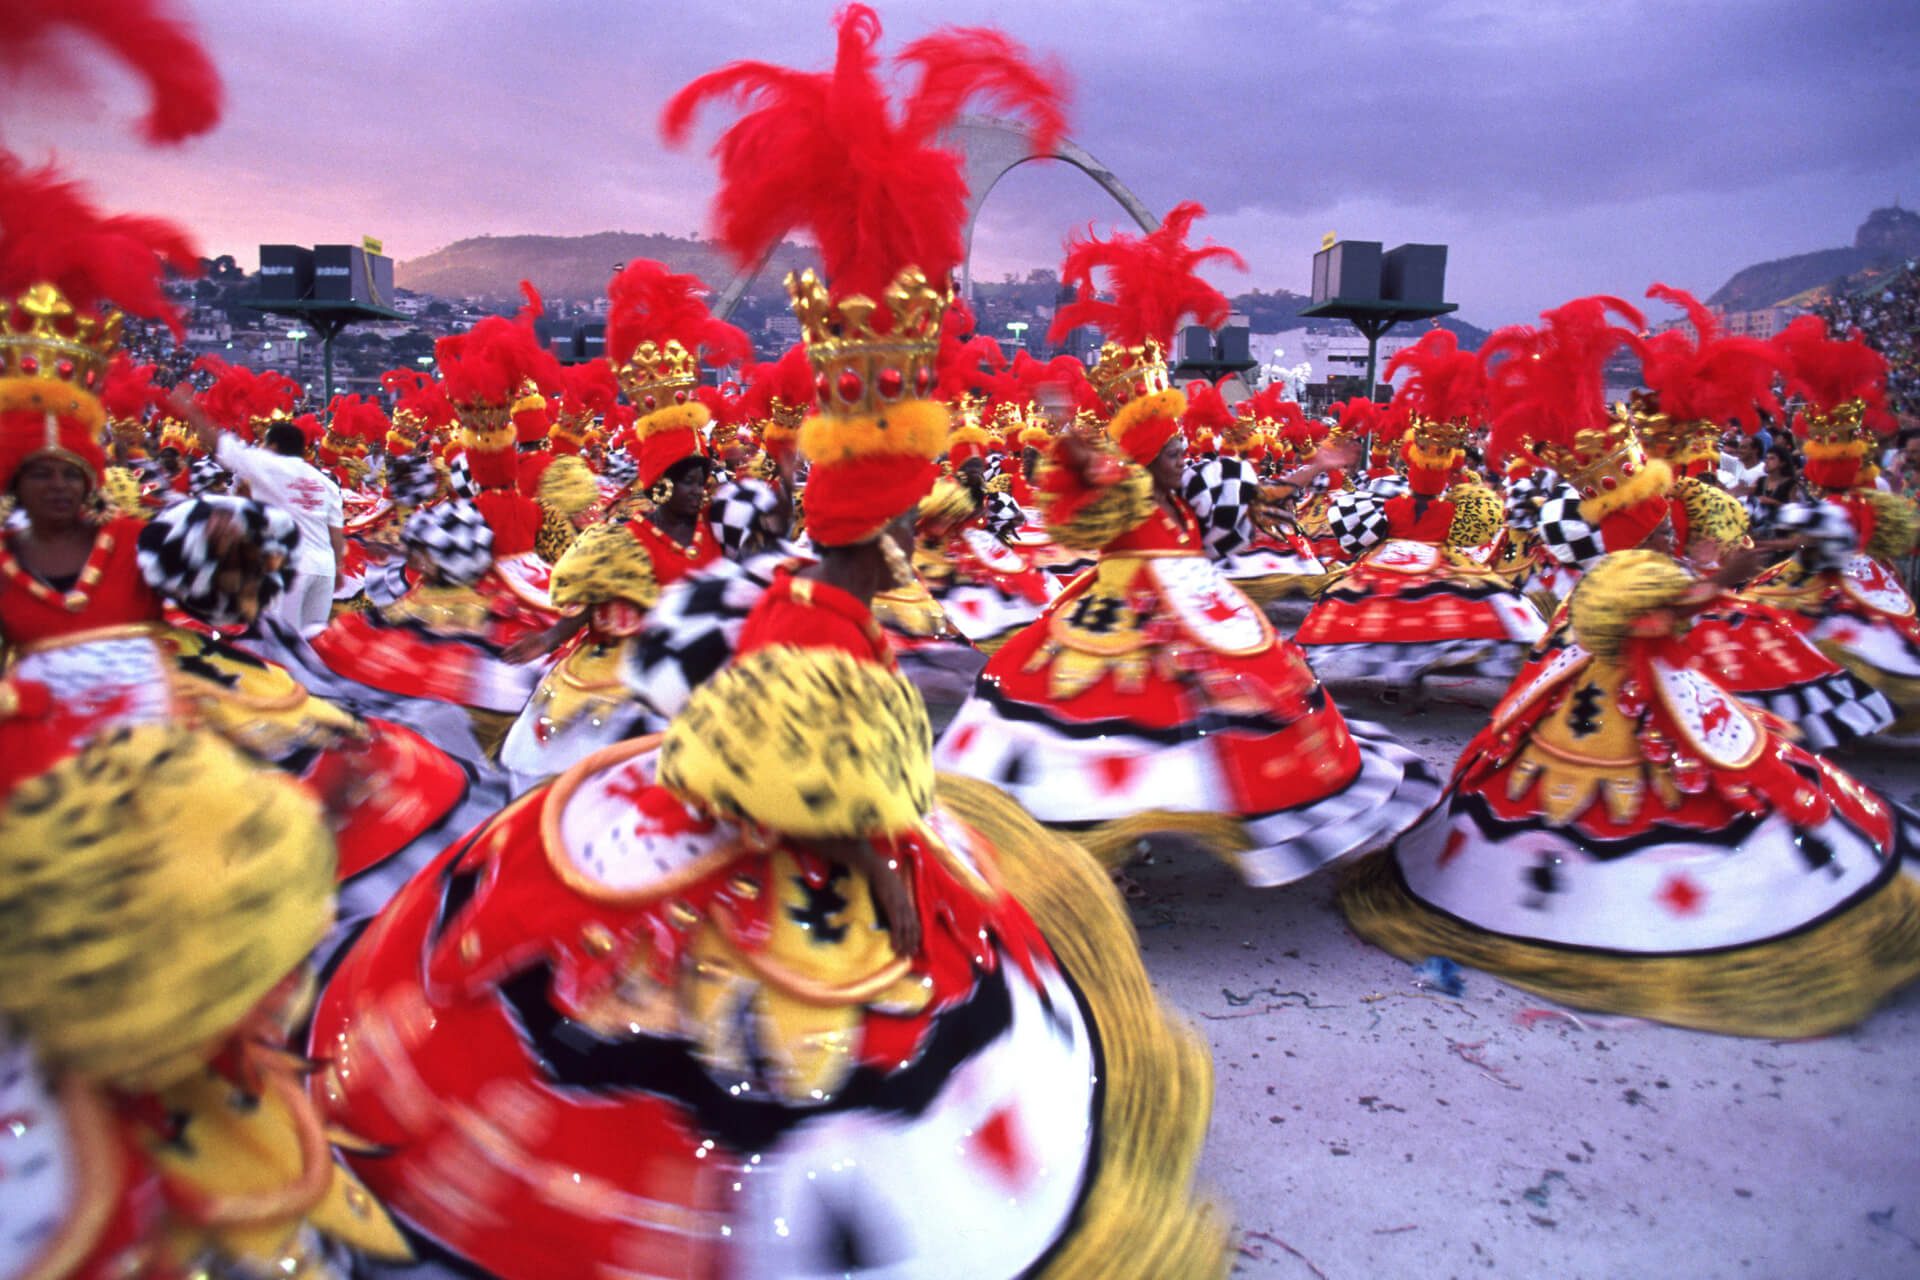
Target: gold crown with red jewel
[655,376]
[45,338]
[1607,462]
[1124,374]
[860,367]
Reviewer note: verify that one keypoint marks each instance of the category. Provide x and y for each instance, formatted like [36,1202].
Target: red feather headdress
[1843,386]
[242,400]
[832,152]
[1155,283]
[1698,383]
[1547,393]
[156,45]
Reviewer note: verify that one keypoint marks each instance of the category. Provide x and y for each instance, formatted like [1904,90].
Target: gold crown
[966,409]
[487,429]
[1127,373]
[655,376]
[858,369]
[44,337]
[1007,419]
[1844,428]
[1602,459]
[782,414]
[1439,437]
[1666,438]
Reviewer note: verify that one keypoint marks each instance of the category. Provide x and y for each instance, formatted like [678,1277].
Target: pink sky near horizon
[1559,148]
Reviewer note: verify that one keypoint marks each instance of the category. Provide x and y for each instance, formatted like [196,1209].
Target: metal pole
[327,335]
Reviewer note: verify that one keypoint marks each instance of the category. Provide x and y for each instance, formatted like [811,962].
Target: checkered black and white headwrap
[740,512]
[460,477]
[1393,486]
[412,481]
[1222,493]
[996,463]
[1565,534]
[1357,518]
[1525,495]
[1004,517]
[691,631]
[1827,529]
[177,560]
[455,537]
[620,469]
[204,476]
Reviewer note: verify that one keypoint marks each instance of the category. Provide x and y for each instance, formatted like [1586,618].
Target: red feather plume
[588,388]
[1207,409]
[1707,377]
[51,234]
[1827,372]
[148,35]
[356,418]
[1444,383]
[488,364]
[1358,416]
[830,152]
[1546,384]
[1153,278]
[649,303]
[130,390]
[788,380]
[238,395]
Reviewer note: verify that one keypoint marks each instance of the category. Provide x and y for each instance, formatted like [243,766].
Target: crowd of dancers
[585,891]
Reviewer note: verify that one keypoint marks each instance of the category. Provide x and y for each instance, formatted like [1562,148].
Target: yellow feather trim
[1834,450]
[810,743]
[917,428]
[1810,982]
[603,564]
[1139,1218]
[567,486]
[50,395]
[692,416]
[1171,403]
[153,889]
[1654,477]
[1617,592]
[1119,508]
[1477,515]
[969,434]
[1419,457]
[1896,522]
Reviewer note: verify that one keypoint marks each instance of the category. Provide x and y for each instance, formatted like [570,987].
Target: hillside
[576,269]
[571,268]
[1887,237]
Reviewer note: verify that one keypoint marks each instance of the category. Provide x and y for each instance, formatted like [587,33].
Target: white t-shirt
[300,490]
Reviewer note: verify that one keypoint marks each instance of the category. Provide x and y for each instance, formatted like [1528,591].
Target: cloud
[1548,142]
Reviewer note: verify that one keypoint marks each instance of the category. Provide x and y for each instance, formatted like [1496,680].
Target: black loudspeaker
[286,273]
[1193,344]
[591,339]
[1233,345]
[1415,273]
[348,273]
[1347,272]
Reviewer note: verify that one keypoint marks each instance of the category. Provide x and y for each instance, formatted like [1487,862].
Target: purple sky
[1559,146]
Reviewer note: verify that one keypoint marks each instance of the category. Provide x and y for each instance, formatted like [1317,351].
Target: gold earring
[661,491]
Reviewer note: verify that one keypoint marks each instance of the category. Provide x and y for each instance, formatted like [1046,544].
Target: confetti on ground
[1470,1054]
[1277,1242]
[1883,1219]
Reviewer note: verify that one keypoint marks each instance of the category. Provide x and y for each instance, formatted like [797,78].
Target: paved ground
[1365,1127]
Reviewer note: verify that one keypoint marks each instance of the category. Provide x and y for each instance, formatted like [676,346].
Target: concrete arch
[992,147]
[995,147]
